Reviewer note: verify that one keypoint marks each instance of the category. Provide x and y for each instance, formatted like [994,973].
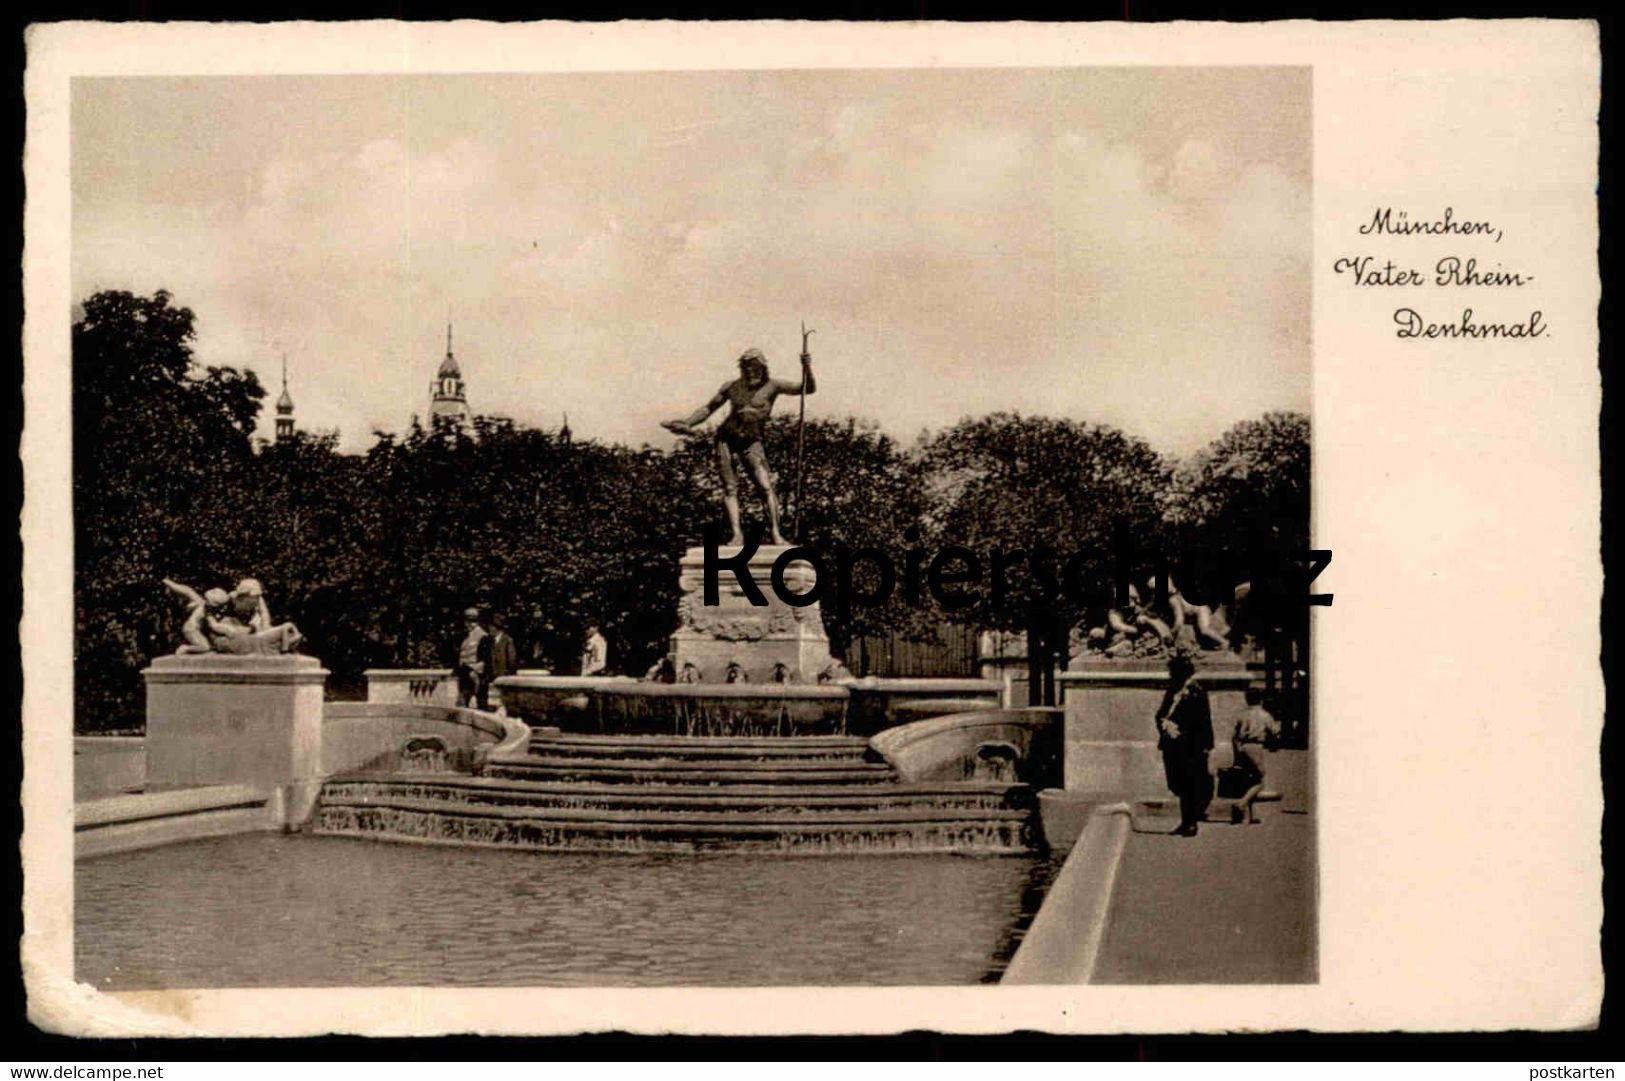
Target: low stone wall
[125,823]
[108,766]
[878,704]
[1001,744]
[392,736]
[620,704]
[540,697]
[1063,944]
[623,706]
[281,759]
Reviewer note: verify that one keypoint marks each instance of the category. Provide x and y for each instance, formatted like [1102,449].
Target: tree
[305,536]
[1243,499]
[553,534]
[376,555]
[160,451]
[1045,488]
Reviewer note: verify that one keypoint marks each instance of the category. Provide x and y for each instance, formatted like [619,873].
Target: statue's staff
[801,424]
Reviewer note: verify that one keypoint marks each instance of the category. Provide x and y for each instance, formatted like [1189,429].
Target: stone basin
[622,706]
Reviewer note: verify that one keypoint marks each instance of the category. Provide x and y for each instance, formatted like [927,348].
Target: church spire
[448,394]
[284,407]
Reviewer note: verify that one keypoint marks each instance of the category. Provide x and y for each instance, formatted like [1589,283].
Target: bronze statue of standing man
[739,436]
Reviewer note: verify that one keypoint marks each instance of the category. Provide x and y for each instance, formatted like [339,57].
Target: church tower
[448,399]
[284,407]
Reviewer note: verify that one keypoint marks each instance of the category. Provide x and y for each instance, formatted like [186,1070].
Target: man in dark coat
[1185,736]
[504,653]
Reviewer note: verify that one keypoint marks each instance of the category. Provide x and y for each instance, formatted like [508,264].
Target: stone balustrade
[430,686]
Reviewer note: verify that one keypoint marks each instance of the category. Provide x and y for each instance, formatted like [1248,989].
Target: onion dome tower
[448,397]
[284,407]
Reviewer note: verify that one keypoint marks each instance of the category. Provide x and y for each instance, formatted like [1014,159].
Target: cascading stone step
[647,793]
[700,749]
[436,823]
[669,817]
[714,778]
[812,765]
[792,742]
[657,771]
[800,800]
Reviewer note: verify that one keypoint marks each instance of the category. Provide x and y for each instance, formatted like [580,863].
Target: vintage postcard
[791,528]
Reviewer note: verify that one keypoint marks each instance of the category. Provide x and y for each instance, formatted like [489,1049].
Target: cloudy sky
[1126,246]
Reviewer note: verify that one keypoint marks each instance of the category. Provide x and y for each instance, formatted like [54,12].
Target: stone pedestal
[1111,734]
[735,630]
[215,719]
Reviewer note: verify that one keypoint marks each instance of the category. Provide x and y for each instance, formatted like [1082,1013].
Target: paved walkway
[1234,904]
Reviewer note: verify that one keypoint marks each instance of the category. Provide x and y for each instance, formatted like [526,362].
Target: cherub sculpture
[238,622]
[203,607]
[1144,628]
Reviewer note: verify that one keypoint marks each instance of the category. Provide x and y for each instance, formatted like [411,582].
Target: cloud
[955,260]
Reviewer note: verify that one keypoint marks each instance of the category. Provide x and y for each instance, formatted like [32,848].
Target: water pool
[269,910]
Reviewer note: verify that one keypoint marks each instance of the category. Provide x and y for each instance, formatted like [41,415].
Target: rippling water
[272,910]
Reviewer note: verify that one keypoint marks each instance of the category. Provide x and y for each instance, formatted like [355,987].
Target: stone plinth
[215,719]
[1111,734]
[710,637]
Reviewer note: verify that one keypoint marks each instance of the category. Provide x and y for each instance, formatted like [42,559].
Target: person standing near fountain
[1185,736]
[594,652]
[474,662]
[739,436]
[504,654]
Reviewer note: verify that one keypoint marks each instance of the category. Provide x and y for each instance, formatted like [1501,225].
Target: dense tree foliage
[162,463]
[1041,489]
[375,555]
[1243,502]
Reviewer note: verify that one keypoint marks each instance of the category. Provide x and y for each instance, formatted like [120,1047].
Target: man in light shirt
[474,662]
[595,652]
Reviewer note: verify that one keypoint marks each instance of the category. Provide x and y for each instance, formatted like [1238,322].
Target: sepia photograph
[718,528]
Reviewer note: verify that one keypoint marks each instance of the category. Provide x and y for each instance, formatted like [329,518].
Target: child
[1256,731]
[204,608]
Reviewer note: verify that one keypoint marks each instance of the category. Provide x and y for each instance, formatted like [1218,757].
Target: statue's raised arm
[186,593]
[808,384]
[686,425]
[194,632]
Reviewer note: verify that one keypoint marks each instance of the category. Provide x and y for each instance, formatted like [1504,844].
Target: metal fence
[891,655]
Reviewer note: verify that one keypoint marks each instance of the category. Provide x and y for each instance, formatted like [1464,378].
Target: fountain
[756,764]
[759,742]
